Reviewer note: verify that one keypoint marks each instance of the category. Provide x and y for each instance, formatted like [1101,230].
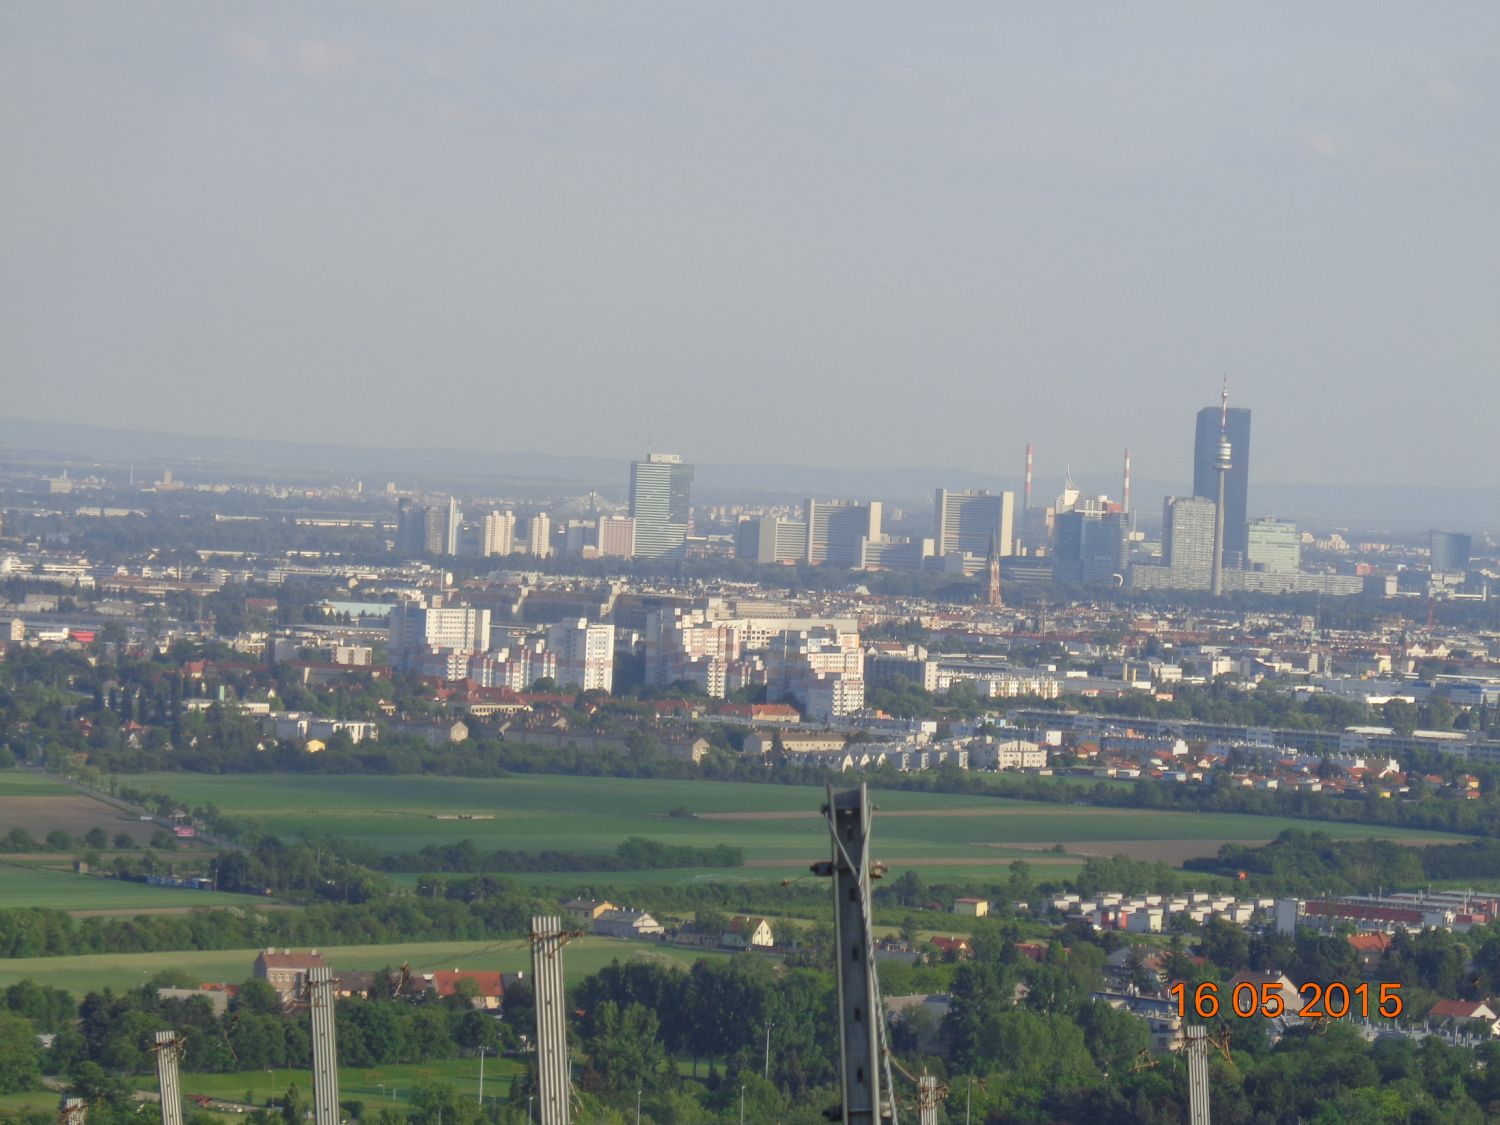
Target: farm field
[120,971]
[25,883]
[778,827]
[39,805]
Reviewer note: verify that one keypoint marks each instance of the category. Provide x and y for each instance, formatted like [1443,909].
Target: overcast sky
[866,234]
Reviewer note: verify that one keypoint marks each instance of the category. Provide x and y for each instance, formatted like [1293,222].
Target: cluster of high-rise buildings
[658,525]
[1207,542]
[816,661]
[457,642]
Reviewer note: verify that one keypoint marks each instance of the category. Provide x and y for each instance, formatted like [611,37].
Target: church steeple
[993,600]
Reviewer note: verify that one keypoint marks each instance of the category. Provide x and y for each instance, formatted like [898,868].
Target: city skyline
[274,206]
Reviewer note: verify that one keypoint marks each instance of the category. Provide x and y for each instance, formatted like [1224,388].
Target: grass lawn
[121,971]
[13,1105]
[777,826]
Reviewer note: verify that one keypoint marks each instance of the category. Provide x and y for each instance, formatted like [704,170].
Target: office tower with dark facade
[427,530]
[660,504]
[1451,551]
[1090,547]
[1237,479]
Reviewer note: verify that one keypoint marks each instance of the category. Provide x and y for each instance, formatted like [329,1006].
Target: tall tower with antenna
[1223,461]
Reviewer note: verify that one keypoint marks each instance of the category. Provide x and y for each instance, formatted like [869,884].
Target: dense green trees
[1306,862]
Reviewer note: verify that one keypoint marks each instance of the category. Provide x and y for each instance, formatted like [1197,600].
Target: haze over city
[704,564]
[842,237]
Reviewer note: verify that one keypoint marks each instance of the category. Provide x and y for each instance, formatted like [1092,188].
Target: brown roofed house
[286,971]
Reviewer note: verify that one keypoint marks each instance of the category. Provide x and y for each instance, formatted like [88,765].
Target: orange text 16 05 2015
[1334,1000]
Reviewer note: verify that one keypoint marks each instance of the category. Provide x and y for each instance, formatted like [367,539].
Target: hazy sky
[863,234]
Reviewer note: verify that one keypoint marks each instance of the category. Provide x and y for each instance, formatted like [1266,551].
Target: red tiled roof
[488,983]
[1455,1009]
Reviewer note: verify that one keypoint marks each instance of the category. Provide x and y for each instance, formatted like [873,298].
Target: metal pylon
[324,1046]
[860,1017]
[553,1071]
[1197,1063]
[927,1100]
[168,1049]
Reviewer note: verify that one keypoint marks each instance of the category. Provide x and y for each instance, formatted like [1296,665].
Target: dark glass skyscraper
[1451,552]
[1237,482]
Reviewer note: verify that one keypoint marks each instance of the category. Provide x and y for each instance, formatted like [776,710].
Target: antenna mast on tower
[1222,461]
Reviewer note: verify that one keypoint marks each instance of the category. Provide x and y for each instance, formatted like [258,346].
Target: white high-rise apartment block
[499,534]
[516,667]
[416,629]
[616,537]
[839,530]
[688,645]
[715,650]
[822,668]
[539,536]
[585,654]
[1188,539]
[970,523]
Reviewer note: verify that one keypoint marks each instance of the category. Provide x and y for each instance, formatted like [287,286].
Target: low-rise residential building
[748,933]
[286,971]
[486,990]
[585,912]
[627,924]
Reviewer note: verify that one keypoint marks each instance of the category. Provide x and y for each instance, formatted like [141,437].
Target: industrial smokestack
[1026,502]
[1125,494]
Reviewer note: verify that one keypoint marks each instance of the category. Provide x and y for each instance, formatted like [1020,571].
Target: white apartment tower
[539,536]
[415,629]
[585,654]
[1188,539]
[499,534]
[616,537]
[839,530]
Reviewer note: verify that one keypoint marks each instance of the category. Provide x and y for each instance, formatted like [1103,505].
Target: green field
[391,1084]
[24,783]
[121,971]
[534,813]
[33,884]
